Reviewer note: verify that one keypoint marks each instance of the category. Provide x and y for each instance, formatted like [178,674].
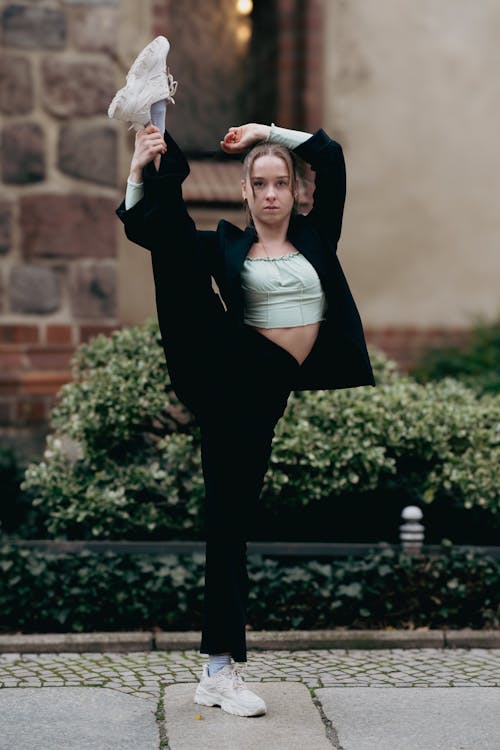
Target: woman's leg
[233,479]
[236,447]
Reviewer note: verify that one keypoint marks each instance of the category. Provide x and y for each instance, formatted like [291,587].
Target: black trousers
[237,427]
[237,383]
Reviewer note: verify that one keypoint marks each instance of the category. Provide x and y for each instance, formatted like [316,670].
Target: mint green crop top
[281,292]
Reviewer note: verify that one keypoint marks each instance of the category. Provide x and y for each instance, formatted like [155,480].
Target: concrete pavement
[348,699]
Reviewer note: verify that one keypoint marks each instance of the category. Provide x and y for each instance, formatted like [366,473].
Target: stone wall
[59,173]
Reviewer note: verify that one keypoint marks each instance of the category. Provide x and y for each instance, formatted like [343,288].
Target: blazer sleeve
[161,215]
[327,160]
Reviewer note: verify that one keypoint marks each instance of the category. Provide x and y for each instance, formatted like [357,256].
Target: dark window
[226,65]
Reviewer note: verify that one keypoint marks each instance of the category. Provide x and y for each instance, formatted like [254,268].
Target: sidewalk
[350,699]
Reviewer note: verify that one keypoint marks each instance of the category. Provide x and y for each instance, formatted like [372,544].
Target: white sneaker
[148,81]
[228,690]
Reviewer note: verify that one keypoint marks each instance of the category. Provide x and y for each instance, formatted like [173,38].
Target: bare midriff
[298,341]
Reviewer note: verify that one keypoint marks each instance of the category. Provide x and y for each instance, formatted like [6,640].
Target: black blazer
[161,223]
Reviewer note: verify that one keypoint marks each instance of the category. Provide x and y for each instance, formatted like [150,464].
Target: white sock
[216,662]
[158,114]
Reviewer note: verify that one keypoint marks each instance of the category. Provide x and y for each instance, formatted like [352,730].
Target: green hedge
[477,363]
[123,461]
[87,591]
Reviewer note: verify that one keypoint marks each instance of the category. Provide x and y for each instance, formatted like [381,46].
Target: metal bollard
[411,532]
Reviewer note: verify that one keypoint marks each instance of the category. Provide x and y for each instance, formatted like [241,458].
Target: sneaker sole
[204,698]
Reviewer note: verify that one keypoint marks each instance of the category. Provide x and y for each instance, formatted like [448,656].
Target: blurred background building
[409,89]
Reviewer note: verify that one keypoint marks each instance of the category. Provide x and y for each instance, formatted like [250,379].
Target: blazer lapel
[236,244]
[236,247]
[311,247]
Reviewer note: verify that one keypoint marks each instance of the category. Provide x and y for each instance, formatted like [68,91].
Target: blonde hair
[271,149]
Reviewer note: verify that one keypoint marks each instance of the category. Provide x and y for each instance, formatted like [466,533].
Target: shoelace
[172,87]
[237,678]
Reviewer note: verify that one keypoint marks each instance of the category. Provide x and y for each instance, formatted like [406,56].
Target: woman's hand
[149,146]
[243,137]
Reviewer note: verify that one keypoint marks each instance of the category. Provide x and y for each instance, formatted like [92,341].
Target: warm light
[243,33]
[245,7]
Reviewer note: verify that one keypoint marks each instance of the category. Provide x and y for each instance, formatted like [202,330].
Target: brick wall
[406,345]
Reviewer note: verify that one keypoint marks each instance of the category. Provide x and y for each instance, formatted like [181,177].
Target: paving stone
[100,718]
[291,723]
[436,668]
[413,718]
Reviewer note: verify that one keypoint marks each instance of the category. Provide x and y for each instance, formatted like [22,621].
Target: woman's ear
[243,190]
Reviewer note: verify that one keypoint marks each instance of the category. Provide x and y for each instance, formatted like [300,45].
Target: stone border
[287,640]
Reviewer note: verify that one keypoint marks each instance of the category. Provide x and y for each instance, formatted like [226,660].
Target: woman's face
[268,190]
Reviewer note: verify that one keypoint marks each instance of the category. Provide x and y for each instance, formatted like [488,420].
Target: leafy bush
[87,591]
[477,364]
[428,441]
[123,460]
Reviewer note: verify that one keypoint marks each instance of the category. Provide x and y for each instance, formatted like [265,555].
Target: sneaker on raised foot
[148,81]
[228,690]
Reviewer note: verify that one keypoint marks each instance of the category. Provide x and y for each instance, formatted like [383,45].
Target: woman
[283,318]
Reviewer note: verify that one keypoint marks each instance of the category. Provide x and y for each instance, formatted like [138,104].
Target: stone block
[37,383]
[469,638]
[89,152]
[412,718]
[91,2]
[34,290]
[19,334]
[5,226]
[33,27]
[181,641]
[292,721]
[6,412]
[76,642]
[95,29]
[67,226]
[344,639]
[88,332]
[76,718]
[49,357]
[59,334]
[93,291]
[30,410]
[12,357]
[16,85]
[76,88]
[23,153]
